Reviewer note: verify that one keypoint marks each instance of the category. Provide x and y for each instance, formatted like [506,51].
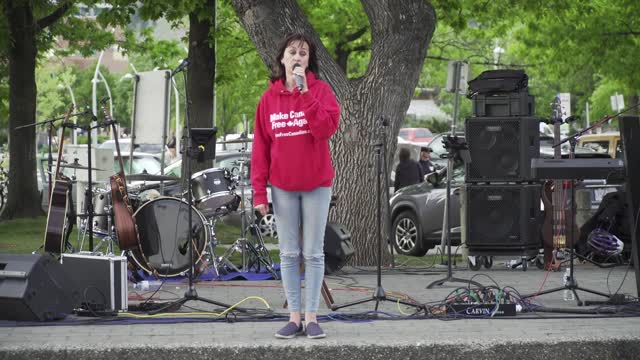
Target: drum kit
[162,224]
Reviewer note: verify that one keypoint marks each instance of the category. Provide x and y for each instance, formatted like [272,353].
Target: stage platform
[352,332]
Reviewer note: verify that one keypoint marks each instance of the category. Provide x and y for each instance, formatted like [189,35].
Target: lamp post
[178,128]
[75,106]
[497,52]
[94,100]
[106,85]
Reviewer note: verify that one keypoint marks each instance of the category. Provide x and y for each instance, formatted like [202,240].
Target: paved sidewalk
[537,335]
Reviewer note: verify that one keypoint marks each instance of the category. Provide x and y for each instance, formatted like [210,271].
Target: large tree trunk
[23,200]
[401,32]
[201,73]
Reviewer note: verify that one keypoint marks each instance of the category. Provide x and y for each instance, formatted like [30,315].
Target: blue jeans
[309,209]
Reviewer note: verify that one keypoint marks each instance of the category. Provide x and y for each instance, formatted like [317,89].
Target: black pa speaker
[337,247]
[35,287]
[630,131]
[503,219]
[501,148]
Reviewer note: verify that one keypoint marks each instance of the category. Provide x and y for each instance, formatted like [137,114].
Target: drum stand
[254,254]
[199,144]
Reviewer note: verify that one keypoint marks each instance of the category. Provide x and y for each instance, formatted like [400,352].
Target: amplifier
[100,280]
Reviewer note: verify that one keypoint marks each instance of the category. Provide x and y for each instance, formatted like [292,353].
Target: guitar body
[547,225]
[124,222]
[555,229]
[54,235]
[57,217]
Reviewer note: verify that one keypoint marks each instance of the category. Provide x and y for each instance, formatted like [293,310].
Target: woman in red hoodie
[295,118]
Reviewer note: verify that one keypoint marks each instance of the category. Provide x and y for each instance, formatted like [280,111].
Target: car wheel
[267,224]
[407,238]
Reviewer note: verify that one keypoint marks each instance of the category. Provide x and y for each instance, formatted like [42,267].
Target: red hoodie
[291,138]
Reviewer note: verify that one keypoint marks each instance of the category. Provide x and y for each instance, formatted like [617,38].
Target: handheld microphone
[298,78]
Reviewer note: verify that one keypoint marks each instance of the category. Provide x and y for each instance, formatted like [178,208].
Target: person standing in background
[425,161]
[408,171]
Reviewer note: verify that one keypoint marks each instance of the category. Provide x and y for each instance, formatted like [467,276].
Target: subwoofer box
[501,148]
[503,219]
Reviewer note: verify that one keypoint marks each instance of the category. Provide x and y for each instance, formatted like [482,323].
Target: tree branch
[357,34]
[622,33]
[484,62]
[54,16]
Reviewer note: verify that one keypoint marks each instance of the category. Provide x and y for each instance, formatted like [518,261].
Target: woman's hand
[262,209]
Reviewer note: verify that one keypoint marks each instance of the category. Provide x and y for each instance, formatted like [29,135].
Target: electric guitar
[555,199]
[58,204]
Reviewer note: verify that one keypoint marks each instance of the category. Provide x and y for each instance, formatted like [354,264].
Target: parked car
[416,135]
[125,147]
[417,211]
[609,143]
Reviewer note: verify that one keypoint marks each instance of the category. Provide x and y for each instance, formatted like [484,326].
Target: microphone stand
[191,293]
[379,294]
[50,128]
[50,139]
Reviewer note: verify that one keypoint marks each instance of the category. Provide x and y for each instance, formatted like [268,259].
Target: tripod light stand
[456,148]
[379,294]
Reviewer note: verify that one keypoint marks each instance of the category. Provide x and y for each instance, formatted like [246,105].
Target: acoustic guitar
[58,204]
[555,197]
[125,224]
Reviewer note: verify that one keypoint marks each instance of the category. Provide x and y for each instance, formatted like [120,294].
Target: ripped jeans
[291,209]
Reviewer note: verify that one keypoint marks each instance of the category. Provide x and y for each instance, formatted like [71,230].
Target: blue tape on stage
[210,275]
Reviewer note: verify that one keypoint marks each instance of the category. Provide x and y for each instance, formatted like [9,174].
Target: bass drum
[163,226]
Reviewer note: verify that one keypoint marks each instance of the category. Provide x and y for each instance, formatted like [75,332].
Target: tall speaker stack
[502,198]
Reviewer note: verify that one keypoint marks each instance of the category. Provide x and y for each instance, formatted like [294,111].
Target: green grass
[23,236]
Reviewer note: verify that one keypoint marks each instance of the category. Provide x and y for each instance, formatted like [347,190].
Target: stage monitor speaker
[503,219]
[630,131]
[501,148]
[337,247]
[35,287]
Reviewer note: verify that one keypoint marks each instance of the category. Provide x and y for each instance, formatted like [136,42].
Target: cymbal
[78,166]
[150,177]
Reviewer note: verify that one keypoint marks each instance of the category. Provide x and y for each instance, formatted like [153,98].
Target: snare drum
[212,189]
[163,226]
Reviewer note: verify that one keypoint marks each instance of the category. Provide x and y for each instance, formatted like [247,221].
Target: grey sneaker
[314,331]
[290,331]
